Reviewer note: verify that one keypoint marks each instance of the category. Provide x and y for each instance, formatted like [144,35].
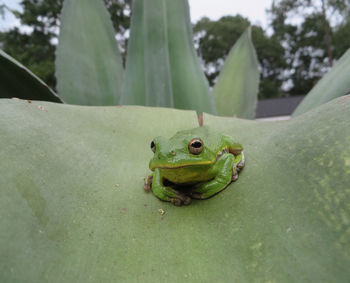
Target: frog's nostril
[172,152]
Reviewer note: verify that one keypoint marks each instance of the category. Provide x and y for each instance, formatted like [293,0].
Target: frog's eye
[153,146]
[195,146]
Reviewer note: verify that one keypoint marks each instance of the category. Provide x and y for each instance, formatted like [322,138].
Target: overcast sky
[254,10]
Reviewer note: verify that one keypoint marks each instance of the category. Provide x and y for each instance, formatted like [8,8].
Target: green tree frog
[193,164]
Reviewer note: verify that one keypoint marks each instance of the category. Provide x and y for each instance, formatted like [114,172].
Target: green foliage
[36,49]
[271,61]
[33,50]
[313,45]
[342,39]
[73,207]
[236,90]
[334,84]
[216,38]
[89,68]
[162,60]
[18,81]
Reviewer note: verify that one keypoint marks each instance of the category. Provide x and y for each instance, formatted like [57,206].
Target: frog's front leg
[167,193]
[225,170]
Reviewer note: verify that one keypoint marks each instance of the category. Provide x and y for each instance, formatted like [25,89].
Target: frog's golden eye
[153,146]
[195,146]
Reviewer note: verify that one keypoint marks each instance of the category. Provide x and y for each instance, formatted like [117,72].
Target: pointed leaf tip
[333,84]
[236,90]
[89,68]
[17,81]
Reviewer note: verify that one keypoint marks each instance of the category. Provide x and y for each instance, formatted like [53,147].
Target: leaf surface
[89,69]
[73,208]
[333,84]
[17,81]
[236,90]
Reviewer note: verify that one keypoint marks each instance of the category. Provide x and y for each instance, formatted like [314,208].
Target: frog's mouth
[178,166]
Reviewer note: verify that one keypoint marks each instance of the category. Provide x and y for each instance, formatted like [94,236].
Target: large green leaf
[148,57]
[162,60]
[89,69]
[334,84]
[17,81]
[236,90]
[72,206]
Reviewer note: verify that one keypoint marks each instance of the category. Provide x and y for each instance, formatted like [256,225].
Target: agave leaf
[89,69]
[236,90]
[162,60]
[73,209]
[148,57]
[17,81]
[333,84]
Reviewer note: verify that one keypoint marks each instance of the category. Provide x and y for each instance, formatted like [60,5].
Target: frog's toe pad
[240,165]
[176,201]
[184,200]
[187,200]
[235,178]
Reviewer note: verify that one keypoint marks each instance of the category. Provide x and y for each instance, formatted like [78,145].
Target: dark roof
[277,106]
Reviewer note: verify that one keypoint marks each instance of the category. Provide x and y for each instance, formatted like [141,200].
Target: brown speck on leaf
[116,185]
[42,108]
[124,209]
[343,99]
[29,101]
[200,120]
[161,211]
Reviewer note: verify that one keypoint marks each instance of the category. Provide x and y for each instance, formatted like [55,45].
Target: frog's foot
[148,183]
[184,200]
[241,163]
[174,196]
[166,193]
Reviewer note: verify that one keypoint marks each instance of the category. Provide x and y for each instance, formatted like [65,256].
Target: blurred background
[297,42]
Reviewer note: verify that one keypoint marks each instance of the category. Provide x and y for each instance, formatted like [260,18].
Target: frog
[193,164]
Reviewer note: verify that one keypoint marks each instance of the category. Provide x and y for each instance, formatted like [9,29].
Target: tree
[309,46]
[341,39]
[214,39]
[36,48]
[2,10]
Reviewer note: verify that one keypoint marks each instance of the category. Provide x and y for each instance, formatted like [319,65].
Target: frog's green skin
[198,176]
